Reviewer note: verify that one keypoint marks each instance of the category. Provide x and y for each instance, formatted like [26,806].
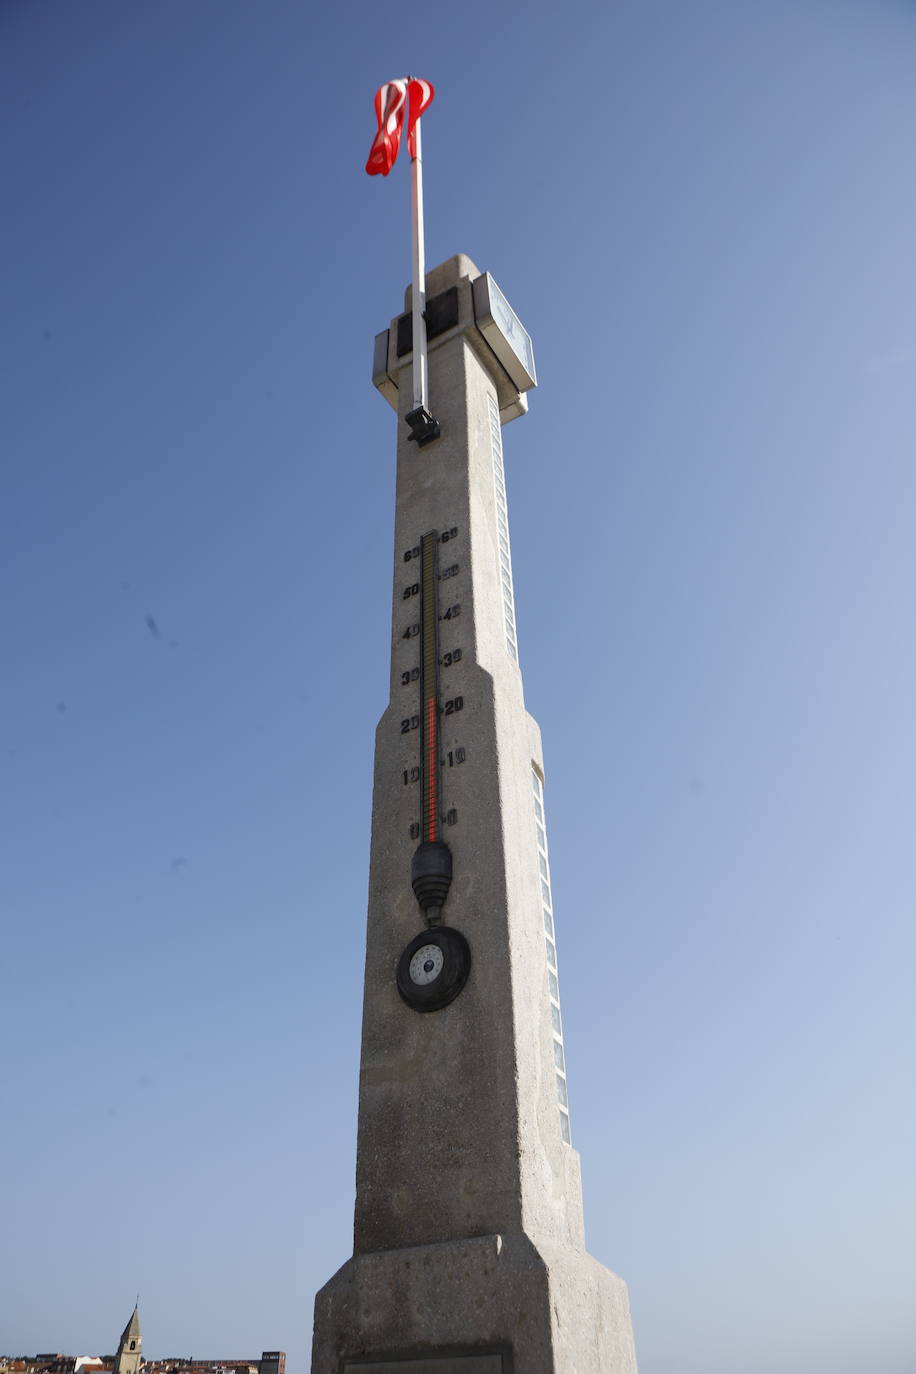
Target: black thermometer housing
[431,867]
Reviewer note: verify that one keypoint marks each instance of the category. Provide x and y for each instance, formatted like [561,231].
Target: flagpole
[420,382]
[422,425]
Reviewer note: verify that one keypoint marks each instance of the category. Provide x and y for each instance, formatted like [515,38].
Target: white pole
[419,275]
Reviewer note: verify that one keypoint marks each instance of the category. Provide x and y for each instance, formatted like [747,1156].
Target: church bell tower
[129,1357]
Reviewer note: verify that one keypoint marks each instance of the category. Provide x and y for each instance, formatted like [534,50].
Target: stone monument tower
[469,1254]
[130,1347]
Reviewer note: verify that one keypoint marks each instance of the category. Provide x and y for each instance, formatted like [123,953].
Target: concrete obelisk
[469,1253]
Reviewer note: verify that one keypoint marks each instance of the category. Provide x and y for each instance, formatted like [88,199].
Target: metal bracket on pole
[422,425]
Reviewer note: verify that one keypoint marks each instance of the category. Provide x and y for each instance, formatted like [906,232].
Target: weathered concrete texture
[439,1364]
[551,1310]
[468,1226]
[458,1125]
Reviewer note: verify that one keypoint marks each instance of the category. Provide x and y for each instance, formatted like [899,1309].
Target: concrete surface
[468,1229]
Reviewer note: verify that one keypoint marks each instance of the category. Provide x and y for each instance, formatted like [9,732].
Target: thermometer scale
[434,966]
[431,823]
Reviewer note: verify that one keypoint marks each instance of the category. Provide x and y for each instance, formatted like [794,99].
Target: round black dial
[433,968]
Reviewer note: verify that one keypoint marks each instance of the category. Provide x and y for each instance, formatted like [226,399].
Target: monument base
[484,1305]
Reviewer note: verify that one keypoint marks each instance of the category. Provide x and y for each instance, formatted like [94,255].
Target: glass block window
[502,524]
[553,986]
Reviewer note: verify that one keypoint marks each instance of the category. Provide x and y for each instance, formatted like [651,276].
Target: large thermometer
[434,967]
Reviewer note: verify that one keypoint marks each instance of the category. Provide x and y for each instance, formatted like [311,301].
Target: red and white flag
[390,102]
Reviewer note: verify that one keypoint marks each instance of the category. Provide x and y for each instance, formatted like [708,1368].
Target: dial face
[426,964]
[433,968]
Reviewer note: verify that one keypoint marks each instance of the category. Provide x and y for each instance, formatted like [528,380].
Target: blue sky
[705,214]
